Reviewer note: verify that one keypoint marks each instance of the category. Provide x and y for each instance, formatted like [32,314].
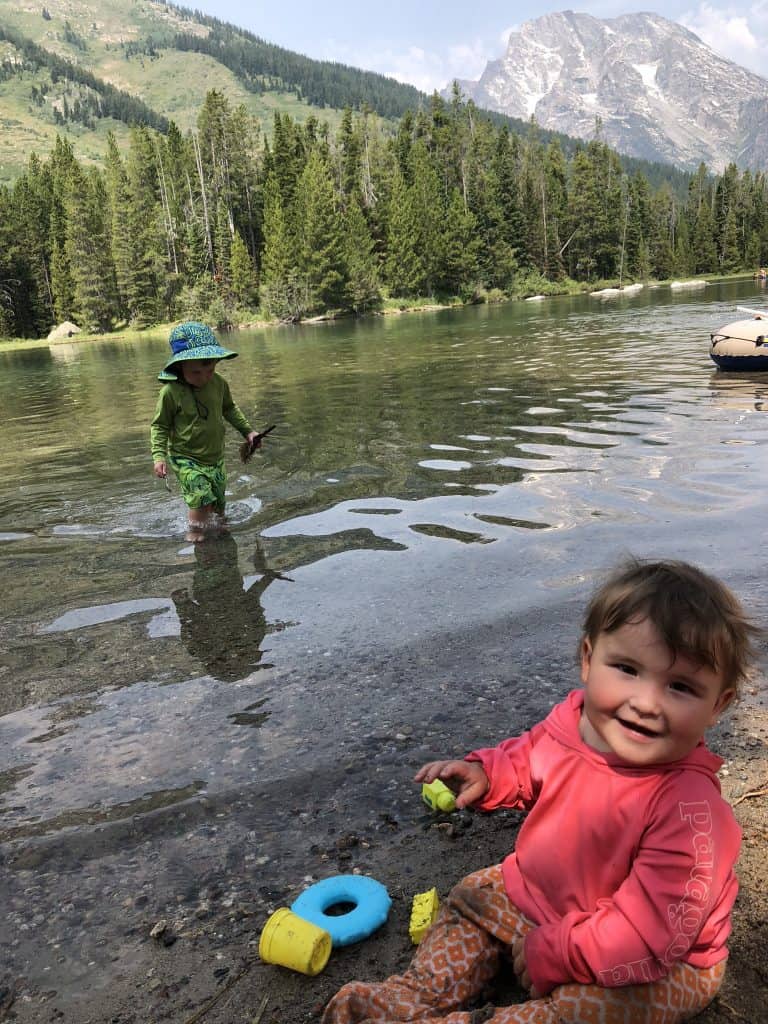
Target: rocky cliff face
[660,92]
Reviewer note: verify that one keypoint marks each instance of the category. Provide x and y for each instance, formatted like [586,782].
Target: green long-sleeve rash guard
[189,422]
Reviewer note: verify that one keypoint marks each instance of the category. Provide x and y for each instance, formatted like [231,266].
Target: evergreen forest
[225,225]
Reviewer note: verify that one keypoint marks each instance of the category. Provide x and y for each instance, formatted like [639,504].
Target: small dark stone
[347,842]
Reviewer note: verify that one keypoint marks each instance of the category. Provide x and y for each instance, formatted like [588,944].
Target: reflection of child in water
[222,624]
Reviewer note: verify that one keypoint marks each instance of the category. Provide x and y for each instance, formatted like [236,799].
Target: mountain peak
[659,92]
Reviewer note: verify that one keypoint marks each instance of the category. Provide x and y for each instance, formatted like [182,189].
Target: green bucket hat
[193,340]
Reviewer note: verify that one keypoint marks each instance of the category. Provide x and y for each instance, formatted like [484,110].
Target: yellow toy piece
[437,796]
[423,914]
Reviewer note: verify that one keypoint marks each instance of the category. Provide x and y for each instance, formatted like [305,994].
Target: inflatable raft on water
[742,345]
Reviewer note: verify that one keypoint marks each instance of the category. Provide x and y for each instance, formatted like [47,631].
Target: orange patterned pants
[463,951]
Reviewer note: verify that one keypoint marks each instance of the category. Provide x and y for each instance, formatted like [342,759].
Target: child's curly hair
[697,616]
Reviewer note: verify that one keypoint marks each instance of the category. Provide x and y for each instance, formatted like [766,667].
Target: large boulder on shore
[63,331]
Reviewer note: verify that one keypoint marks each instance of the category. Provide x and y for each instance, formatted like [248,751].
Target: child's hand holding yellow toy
[468,782]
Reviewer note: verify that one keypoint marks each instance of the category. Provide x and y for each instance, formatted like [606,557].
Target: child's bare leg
[199,519]
[457,958]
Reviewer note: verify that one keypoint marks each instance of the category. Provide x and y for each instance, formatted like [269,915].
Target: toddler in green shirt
[188,429]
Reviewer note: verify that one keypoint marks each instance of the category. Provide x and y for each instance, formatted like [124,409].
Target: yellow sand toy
[423,914]
[437,796]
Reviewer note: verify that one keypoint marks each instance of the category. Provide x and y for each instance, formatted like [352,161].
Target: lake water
[407,562]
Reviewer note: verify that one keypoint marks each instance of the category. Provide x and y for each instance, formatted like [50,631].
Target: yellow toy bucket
[290,941]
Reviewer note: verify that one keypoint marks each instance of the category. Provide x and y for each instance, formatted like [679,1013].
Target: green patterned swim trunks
[200,485]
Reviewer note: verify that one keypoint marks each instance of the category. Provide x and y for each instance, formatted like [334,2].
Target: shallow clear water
[407,562]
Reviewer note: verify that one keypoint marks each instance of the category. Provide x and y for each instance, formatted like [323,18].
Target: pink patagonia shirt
[624,870]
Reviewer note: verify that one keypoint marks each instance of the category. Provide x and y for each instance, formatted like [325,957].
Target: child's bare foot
[199,521]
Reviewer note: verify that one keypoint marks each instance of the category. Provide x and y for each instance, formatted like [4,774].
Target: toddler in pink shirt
[615,905]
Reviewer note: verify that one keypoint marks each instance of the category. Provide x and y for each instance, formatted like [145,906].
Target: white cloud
[468,60]
[425,69]
[738,33]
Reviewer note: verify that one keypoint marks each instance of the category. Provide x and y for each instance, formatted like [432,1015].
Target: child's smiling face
[197,372]
[643,704]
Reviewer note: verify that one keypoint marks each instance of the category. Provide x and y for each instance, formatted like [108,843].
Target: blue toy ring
[371,907]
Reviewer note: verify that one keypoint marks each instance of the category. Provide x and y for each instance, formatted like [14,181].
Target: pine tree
[350,146]
[460,267]
[11,313]
[31,215]
[449,141]
[245,282]
[556,187]
[288,156]
[360,261]
[759,221]
[62,285]
[404,269]
[506,166]
[427,203]
[244,175]
[704,249]
[223,246]
[88,248]
[179,172]
[638,227]
[7,319]
[284,293]
[403,144]
[320,243]
[609,230]
[685,261]
[584,206]
[145,290]
[730,257]
[63,167]
[493,198]
[753,251]
[120,230]
[662,233]
[226,138]
[725,198]
[534,201]
[196,266]
[595,213]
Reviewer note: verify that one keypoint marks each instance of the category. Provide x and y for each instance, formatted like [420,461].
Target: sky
[428,43]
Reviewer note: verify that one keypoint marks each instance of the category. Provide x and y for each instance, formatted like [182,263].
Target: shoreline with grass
[389,307]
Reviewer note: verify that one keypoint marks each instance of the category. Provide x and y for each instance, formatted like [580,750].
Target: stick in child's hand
[247,448]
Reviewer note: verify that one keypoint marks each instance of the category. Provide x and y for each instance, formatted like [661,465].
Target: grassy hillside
[176,84]
[103,37]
